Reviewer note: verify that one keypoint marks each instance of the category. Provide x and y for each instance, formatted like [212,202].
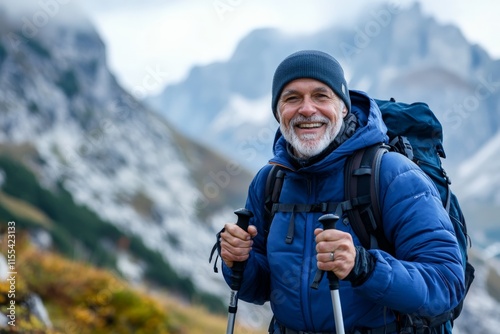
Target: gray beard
[307,146]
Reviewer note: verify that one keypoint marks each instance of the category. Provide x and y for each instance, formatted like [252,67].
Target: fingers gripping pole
[329,221]
[244,216]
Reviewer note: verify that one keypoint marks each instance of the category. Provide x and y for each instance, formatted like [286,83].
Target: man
[322,123]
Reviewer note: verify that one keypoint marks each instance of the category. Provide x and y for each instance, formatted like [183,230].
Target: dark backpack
[415,132]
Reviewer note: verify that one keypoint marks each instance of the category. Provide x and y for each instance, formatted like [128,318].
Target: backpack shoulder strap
[362,179]
[274,183]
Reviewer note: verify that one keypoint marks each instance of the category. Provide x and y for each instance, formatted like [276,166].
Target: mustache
[313,119]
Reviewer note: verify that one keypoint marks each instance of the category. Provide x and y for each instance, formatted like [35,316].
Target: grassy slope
[83,299]
[76,230]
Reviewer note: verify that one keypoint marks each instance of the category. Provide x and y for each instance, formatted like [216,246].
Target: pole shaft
[230,323]
[329,221]
[337,312]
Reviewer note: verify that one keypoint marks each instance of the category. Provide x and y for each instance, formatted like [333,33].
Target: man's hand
[339,244]
[236,243]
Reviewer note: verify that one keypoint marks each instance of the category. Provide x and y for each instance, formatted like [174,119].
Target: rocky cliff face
[64,114]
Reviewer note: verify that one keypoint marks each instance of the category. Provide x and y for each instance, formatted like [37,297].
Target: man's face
[310,116]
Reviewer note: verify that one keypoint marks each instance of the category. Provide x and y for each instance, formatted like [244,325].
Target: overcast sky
[167,37]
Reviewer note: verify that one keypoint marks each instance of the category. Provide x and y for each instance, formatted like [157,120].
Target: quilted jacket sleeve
[425,276]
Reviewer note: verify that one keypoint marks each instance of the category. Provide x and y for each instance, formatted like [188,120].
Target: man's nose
[307,107]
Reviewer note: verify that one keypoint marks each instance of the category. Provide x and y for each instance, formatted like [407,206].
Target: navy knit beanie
[310,64]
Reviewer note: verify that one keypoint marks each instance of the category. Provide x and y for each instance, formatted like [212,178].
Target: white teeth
[309,125]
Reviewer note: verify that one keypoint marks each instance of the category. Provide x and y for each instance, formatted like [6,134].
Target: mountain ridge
[382,64]
[77,128]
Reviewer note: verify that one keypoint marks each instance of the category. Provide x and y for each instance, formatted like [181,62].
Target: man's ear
[344,112]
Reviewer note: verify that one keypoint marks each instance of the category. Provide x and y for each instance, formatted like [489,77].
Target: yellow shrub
[82,299]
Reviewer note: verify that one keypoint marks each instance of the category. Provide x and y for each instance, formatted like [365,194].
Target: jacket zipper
[308,269]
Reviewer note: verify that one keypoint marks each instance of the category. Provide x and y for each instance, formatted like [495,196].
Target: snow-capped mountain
[61,107]
[390,51]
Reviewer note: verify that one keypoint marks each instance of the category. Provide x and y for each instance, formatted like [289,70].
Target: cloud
[175,35]
[38,13]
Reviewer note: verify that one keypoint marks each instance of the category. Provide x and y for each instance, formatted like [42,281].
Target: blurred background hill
[130,190]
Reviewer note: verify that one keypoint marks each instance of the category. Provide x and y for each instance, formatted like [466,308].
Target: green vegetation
[68,83]
[74,228]
[33,108]
[3,54]
[83,299]
[36,47]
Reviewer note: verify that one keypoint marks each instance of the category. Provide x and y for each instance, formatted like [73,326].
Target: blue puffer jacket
[425,276]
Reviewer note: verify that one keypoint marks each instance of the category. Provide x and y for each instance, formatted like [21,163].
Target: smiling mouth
[309,125]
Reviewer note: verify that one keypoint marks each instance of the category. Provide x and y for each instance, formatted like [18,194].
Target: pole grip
[244,216]
[329,221]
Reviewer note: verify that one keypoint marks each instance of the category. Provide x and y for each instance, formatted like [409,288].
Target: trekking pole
[244,216]
[328,221]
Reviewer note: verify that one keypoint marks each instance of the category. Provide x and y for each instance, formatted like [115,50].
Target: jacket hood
[371,130]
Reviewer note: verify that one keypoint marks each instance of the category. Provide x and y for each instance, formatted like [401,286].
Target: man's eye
[291,98]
